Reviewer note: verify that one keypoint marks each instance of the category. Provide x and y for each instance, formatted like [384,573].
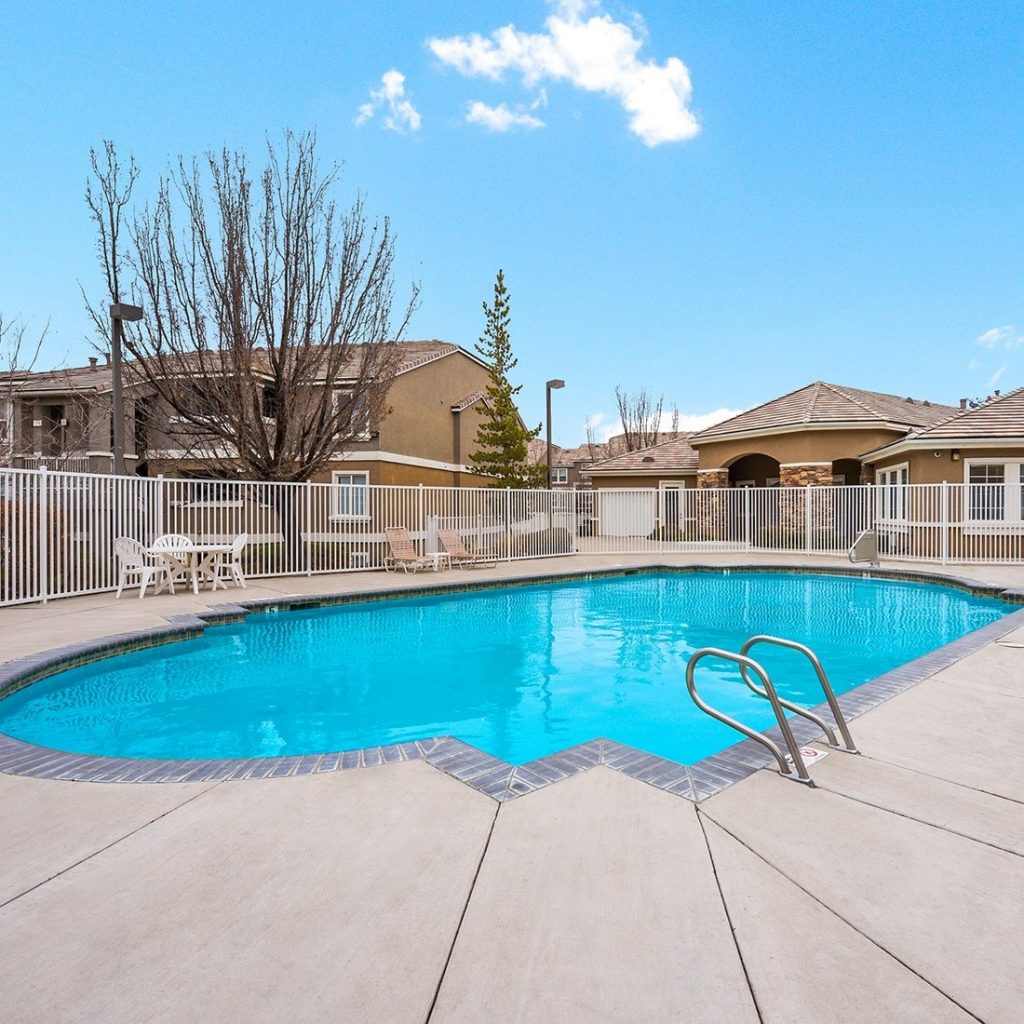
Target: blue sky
[718,201]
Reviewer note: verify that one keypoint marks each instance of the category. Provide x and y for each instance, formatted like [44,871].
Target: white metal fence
[57,528]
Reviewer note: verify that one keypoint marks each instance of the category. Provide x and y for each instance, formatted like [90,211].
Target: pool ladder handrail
[798,770]
[847,746]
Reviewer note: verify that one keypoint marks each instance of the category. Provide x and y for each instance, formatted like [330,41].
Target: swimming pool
[518,671]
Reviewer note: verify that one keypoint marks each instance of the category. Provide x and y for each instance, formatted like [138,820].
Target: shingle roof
[675,456]
[999,418]
[821,403]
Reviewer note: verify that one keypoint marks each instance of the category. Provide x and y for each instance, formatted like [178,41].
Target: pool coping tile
[470,765]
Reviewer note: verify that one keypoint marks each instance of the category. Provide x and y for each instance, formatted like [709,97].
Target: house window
[349,495]
[6,421]
[351,410]
[559,475]
[892,495]
[995,491]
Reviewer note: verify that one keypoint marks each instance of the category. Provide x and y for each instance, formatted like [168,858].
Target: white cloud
[689,422]
[500,118]
[587,48]
[1007,336]
[701,420]
[400,115]
[994,379]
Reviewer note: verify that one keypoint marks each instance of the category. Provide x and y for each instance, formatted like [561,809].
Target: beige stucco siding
[925,468]
[603,482]
[420,421]
[803,446]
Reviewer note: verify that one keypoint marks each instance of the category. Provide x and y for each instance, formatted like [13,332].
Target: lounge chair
[457,554]
[136,561]
[403,554]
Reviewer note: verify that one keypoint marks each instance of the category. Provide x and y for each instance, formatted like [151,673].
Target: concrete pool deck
[891,892]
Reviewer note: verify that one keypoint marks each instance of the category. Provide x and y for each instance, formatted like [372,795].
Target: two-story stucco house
[63,419]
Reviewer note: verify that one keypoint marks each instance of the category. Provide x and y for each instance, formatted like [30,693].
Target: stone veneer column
[711,508]
[802,474]
[712,478]
[792,513]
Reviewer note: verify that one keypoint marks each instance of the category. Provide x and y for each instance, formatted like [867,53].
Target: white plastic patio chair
[229,565]
[136,561]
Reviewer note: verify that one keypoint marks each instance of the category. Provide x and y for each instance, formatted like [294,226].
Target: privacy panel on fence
[57,529]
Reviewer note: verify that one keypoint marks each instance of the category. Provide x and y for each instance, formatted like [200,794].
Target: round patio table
[197,560]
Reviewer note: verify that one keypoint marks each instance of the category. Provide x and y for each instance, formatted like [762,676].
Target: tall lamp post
[119,312]
[552,385]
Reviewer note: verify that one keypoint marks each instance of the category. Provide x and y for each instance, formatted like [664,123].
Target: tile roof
[997,419]
[675,456]
[584,453]
[469,401]
[821,403]
[413,354]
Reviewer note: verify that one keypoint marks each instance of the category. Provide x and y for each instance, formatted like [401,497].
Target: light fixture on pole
[552,385]
[119,312]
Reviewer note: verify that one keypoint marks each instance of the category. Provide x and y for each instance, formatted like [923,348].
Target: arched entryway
[754,470]
[846,471]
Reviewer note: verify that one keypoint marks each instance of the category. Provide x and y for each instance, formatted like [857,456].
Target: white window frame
[1013,485]
[559,475]
[362,515]
[339,396]
[6,426]
[891,509]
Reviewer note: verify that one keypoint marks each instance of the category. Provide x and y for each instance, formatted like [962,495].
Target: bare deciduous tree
[107,194]
[18,356]
[591,426]
[268,333]
[640,414]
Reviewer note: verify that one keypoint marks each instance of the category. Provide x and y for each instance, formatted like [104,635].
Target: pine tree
[501,437]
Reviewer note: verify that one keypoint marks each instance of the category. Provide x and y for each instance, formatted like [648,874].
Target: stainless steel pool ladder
[797,770]
[847,746]
[865,548]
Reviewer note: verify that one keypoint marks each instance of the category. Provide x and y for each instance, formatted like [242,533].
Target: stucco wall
[636,482]
[803,446]
[925,468]
[420,422]
[398,475]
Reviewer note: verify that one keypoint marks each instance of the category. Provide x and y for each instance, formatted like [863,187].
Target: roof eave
[934,443]
[796,428]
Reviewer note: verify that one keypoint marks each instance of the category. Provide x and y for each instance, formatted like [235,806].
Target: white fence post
[422,529]
[944,518]
[746,517]
[160,531]
[808,525]
[44,535]
[308,529]
[508,524]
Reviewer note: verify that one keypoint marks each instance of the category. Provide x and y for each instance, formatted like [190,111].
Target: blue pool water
[519,671]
